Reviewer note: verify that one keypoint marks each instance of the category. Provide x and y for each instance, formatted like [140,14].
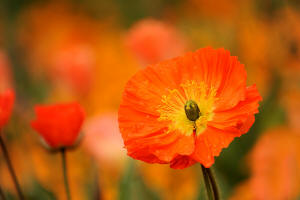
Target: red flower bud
[59,124]
[7,99]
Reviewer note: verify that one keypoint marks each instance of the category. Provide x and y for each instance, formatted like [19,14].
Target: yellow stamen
[173,106]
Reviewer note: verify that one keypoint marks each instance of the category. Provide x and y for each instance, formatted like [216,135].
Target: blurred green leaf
[10,196]
[133,10]
[269,8]
[132,186]
[38,192]
[35,192]
[201,189]
[26,87]
[231,164]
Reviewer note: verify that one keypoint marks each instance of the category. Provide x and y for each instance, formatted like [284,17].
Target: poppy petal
[181,162]
[240,118]
[220,71]
[6,106]
[164,146]
[210,144]
[59,124]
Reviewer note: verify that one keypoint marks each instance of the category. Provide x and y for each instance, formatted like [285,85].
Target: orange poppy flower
[63,50]
[187,109]
[152,41]
[72,65]
[59,124]
[275,165]
[7,99]
[103,141]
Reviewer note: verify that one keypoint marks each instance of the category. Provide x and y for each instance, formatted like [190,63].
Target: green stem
[2,196]
[210,184]
[207,183]
[10,167]
[213,183]
[64,166]
[97,195]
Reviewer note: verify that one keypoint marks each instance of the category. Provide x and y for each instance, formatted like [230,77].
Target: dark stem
[10,167]
[97,186]
[2,196]
[210,184]
[207,183]
[213,183]
[64,166]
[97,195]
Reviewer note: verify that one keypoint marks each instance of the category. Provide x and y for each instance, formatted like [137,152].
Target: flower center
[192,110]
[188,108]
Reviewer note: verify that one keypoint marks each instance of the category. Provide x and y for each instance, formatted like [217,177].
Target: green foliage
[231,164]
[35,192]
[133,10]
[132,186]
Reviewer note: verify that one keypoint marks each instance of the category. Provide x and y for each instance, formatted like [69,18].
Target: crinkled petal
[217,69]
[240,118]
[164,146]
[210,144]
[181,162]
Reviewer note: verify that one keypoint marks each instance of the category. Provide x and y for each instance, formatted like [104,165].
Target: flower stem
[210,184]
[97,194]
[213,184]
[64,166]
[207,183]
[10,167]
[2,196]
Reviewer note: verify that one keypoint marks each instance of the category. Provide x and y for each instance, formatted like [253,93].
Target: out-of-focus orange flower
[224,9]
[291,103]
[187,109]
[77,54]
[289,40]
[243,192]
[72,66]
[275,166]
[5,73]
[7,99]
[59,125]
[256,57]
[167,181]
[256,30]
[50,175]
[152,41]
[112,74]
[102,139]
[287,46]
[63,49]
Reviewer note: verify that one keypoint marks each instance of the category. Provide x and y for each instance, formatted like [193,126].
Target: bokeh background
[86,50]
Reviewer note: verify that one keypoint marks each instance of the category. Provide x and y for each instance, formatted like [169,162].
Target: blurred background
[60,51]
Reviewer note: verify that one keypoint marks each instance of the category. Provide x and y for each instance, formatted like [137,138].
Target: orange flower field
[150,100]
